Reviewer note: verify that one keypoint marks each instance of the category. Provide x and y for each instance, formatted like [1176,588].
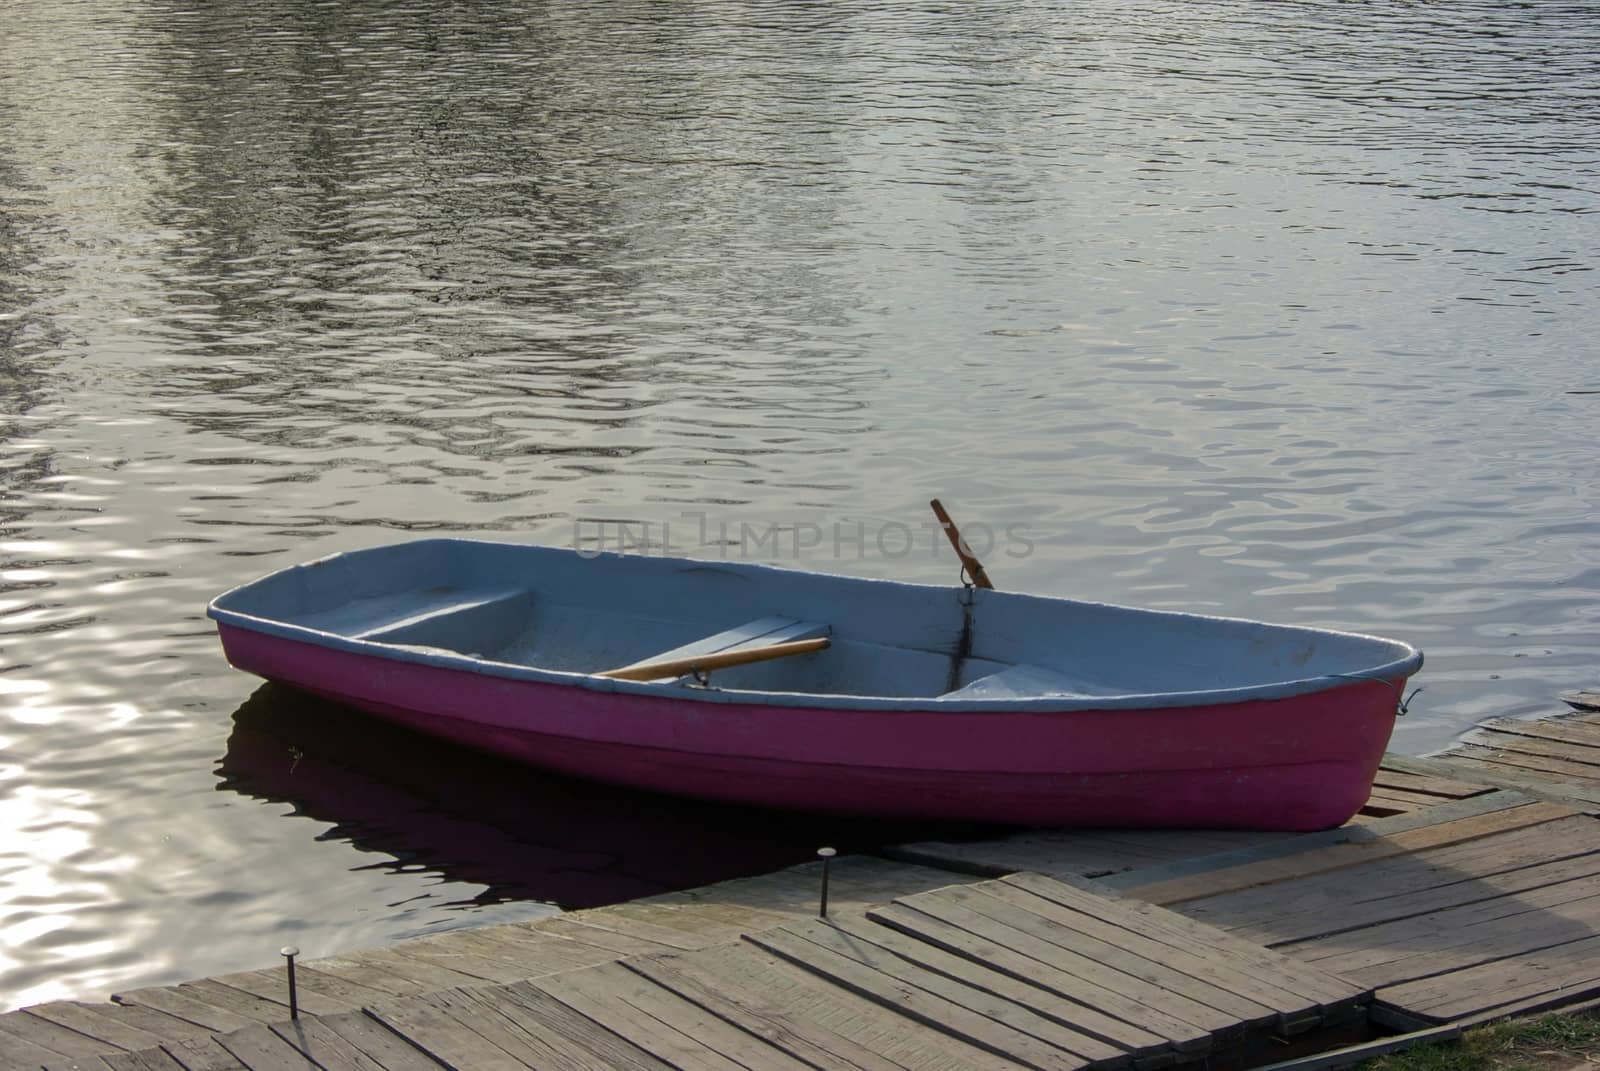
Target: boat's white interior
[553,609]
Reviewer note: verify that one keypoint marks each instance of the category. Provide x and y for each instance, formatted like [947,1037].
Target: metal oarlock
[826,854]
[289,952]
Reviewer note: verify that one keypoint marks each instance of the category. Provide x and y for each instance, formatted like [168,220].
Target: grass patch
[1547,1043]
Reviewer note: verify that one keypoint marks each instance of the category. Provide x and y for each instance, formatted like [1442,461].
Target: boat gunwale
[1392,673]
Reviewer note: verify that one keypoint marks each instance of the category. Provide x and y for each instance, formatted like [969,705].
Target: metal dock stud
[826,854]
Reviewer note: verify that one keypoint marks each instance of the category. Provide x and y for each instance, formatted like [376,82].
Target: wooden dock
[1468,887]
[1019,972]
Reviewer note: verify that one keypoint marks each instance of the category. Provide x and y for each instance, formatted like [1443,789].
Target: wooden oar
[969,562]
[677,667]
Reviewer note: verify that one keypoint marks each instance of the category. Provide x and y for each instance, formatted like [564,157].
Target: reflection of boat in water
[524,834]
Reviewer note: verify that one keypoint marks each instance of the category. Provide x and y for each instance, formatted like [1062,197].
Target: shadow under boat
[523,833]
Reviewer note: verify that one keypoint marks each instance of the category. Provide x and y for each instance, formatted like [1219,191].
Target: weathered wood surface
[1094,853]
[1488,900]
[333,987]
[1022,972]
[1348,853]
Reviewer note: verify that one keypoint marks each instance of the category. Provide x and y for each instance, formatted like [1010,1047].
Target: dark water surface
[1281,311]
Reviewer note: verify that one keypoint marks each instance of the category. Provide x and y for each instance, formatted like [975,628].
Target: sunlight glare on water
[1278,311]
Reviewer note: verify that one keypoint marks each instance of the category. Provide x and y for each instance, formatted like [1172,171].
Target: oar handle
[970,563]
[677,667]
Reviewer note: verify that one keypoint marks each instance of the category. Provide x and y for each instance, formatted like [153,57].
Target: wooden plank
[203,1054]
[1404,797]
[601,919]
[1429,784]
[1520,759]
[1096,981]
[1540,786]
[55,1039]
[1450,940]
[67,1063]
[1584,754]
[98,1023]
[995,1035]
[715,919]
[358,968]
[1380,805]
[434,1028]
[574,1043]
[1329,901]
[245,1005]
[1571,970]
[1180,931]
[1581,700]
[259,1049]
[319,983]
[849,943]
[160,1024]
[1223,1009]
[537,953]
[1507,778]
[762,632]
[1566,905]
[380,1044]
[144,1060]
[1580,733]
[820,1048]
[1487,803]
[1361,921]
[1123,1036]
[856,881]
[656,670]
[451,952]
[595,996]
[1268,990]
[494,1019]
[242,1004]
[327,1049]
[705,922]
[594,937]
[691,1020]
[1078,852]
[184,1006]
[1569,1003]
[423,970]
[1350,853]
[528,954]
[272,986]
[81,1063]
[772,982]
[1008,952]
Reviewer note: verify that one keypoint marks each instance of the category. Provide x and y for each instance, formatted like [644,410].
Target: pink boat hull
[1294,763]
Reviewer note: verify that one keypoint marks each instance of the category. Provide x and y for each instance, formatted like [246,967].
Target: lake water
[1283,311]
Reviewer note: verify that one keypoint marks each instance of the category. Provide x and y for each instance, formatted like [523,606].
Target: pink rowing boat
[783,688]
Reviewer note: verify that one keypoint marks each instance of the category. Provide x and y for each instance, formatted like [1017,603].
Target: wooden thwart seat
[400,615]
[1021,681]
[766,637]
